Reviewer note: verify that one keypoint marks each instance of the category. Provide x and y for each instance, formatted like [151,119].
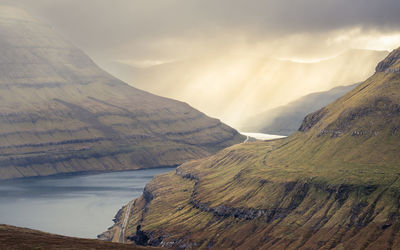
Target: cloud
[104,25]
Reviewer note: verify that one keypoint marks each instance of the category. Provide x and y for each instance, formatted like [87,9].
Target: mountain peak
[60,112]
[391,63]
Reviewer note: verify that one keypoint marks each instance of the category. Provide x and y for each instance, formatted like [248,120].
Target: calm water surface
[81,206]
[261,136]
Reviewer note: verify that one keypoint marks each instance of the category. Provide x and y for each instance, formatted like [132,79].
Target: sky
[225,45]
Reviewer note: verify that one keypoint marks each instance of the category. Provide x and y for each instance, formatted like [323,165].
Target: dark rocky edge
[389,61]
[312,119]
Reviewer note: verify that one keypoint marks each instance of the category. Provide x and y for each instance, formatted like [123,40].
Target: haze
[229,58]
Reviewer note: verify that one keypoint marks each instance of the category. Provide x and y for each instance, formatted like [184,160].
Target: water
[80,206]
[264,137]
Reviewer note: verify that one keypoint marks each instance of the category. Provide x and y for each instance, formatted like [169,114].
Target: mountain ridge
[61,113]
[333,184]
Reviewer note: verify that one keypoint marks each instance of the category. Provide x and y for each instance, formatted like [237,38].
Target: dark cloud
[101,24]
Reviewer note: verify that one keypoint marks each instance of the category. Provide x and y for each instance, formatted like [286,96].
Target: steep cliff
[60,113]
[332,185]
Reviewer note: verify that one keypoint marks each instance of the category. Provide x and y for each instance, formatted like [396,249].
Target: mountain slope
[60,113]
[286,119]
[332,185]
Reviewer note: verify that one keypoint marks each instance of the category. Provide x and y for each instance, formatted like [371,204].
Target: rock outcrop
[387,64]
[59,112]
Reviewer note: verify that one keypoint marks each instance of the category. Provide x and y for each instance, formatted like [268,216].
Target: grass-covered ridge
[333,184]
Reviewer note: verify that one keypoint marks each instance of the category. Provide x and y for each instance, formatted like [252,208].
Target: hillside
[332,185]
[59,112]
[22,238]
[286,119]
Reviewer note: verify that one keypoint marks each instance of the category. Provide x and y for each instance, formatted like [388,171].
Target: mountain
[61,113]
[238,86]
[286,119]
[334,184]
[22,238]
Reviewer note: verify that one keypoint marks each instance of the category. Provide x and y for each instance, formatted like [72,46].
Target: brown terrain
[22,238]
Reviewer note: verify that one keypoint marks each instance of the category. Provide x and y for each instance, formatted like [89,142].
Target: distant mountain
[238,86]
[335,184]
[286,119]
[61,113]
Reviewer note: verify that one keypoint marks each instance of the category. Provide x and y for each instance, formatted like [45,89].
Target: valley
[244,80]
[90,161]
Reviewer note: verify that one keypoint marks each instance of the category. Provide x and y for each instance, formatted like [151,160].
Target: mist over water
[80,206]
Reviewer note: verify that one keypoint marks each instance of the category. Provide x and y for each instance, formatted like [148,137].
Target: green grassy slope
[60,113]
[332,185]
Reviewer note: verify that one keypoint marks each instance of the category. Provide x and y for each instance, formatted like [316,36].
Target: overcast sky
[154,28]
[221,44]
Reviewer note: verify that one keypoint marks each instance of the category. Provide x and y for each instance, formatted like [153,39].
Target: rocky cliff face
[332,185]
[61,113]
